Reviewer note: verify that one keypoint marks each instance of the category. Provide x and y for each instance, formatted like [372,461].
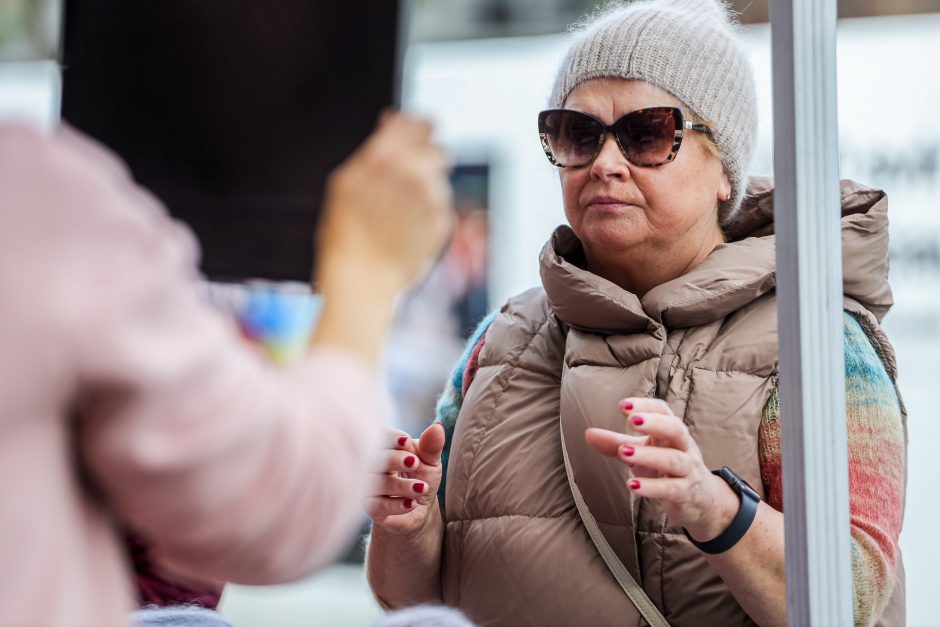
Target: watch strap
[742,521]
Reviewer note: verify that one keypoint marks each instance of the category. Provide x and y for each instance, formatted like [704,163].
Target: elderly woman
[613,438]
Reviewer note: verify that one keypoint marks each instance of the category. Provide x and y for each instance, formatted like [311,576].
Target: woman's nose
[610,161]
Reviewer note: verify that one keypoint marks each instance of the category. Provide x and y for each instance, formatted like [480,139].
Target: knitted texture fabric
[688,48]
[180,616]
[424,616]
[876,459]
[876,470]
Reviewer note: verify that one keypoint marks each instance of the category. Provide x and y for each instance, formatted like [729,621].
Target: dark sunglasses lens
[571,137]
[647,136]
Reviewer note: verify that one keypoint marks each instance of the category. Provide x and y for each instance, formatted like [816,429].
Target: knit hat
[688,48]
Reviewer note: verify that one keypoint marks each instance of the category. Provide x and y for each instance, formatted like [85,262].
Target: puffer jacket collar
[733,275]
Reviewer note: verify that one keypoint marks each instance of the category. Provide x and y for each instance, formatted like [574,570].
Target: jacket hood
[732,276]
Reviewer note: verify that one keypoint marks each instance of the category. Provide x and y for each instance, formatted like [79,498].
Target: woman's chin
[610,238]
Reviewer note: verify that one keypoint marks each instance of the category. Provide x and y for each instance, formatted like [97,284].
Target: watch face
[728,475]
[738,484]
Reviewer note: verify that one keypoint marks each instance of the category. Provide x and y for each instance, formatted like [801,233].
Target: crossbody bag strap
[633,590]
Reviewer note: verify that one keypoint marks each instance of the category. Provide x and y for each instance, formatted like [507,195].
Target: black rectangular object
[233,112]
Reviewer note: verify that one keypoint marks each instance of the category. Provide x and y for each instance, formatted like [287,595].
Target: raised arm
[229,468]
[403,562]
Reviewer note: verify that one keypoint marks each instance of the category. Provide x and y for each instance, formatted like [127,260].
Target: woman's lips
[608,203]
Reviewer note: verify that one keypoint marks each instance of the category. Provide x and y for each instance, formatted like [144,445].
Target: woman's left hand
[667,466]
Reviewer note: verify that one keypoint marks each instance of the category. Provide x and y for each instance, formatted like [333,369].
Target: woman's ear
[724,188]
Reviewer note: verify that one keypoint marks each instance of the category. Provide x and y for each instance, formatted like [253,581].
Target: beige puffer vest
[515,550]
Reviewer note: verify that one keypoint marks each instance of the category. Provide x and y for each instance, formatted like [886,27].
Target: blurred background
[482,69]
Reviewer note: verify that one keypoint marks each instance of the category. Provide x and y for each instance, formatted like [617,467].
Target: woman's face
[624,213]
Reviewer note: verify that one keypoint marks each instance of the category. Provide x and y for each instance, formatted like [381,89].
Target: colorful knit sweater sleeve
[451,400]
[876,450]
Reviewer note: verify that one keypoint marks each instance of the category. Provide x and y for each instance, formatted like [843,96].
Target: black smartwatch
[741,523]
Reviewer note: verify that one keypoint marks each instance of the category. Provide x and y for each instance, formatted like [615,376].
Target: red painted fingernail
[638,420]
[409,503]
[634,484]
[627,450]
[418,487]
[402,440]
[627,405]
[410,461]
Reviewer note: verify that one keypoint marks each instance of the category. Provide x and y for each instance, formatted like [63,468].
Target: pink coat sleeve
[229,468]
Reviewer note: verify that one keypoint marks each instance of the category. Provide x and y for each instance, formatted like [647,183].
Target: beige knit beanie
[689,48]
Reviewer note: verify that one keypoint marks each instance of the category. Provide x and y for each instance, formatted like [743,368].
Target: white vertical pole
[809,297]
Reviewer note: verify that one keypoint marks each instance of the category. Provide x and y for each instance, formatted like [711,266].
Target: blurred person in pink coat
[127,404]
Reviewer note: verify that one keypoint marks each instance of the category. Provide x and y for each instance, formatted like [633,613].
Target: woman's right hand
[406,487]
[388,207]
[386,216]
